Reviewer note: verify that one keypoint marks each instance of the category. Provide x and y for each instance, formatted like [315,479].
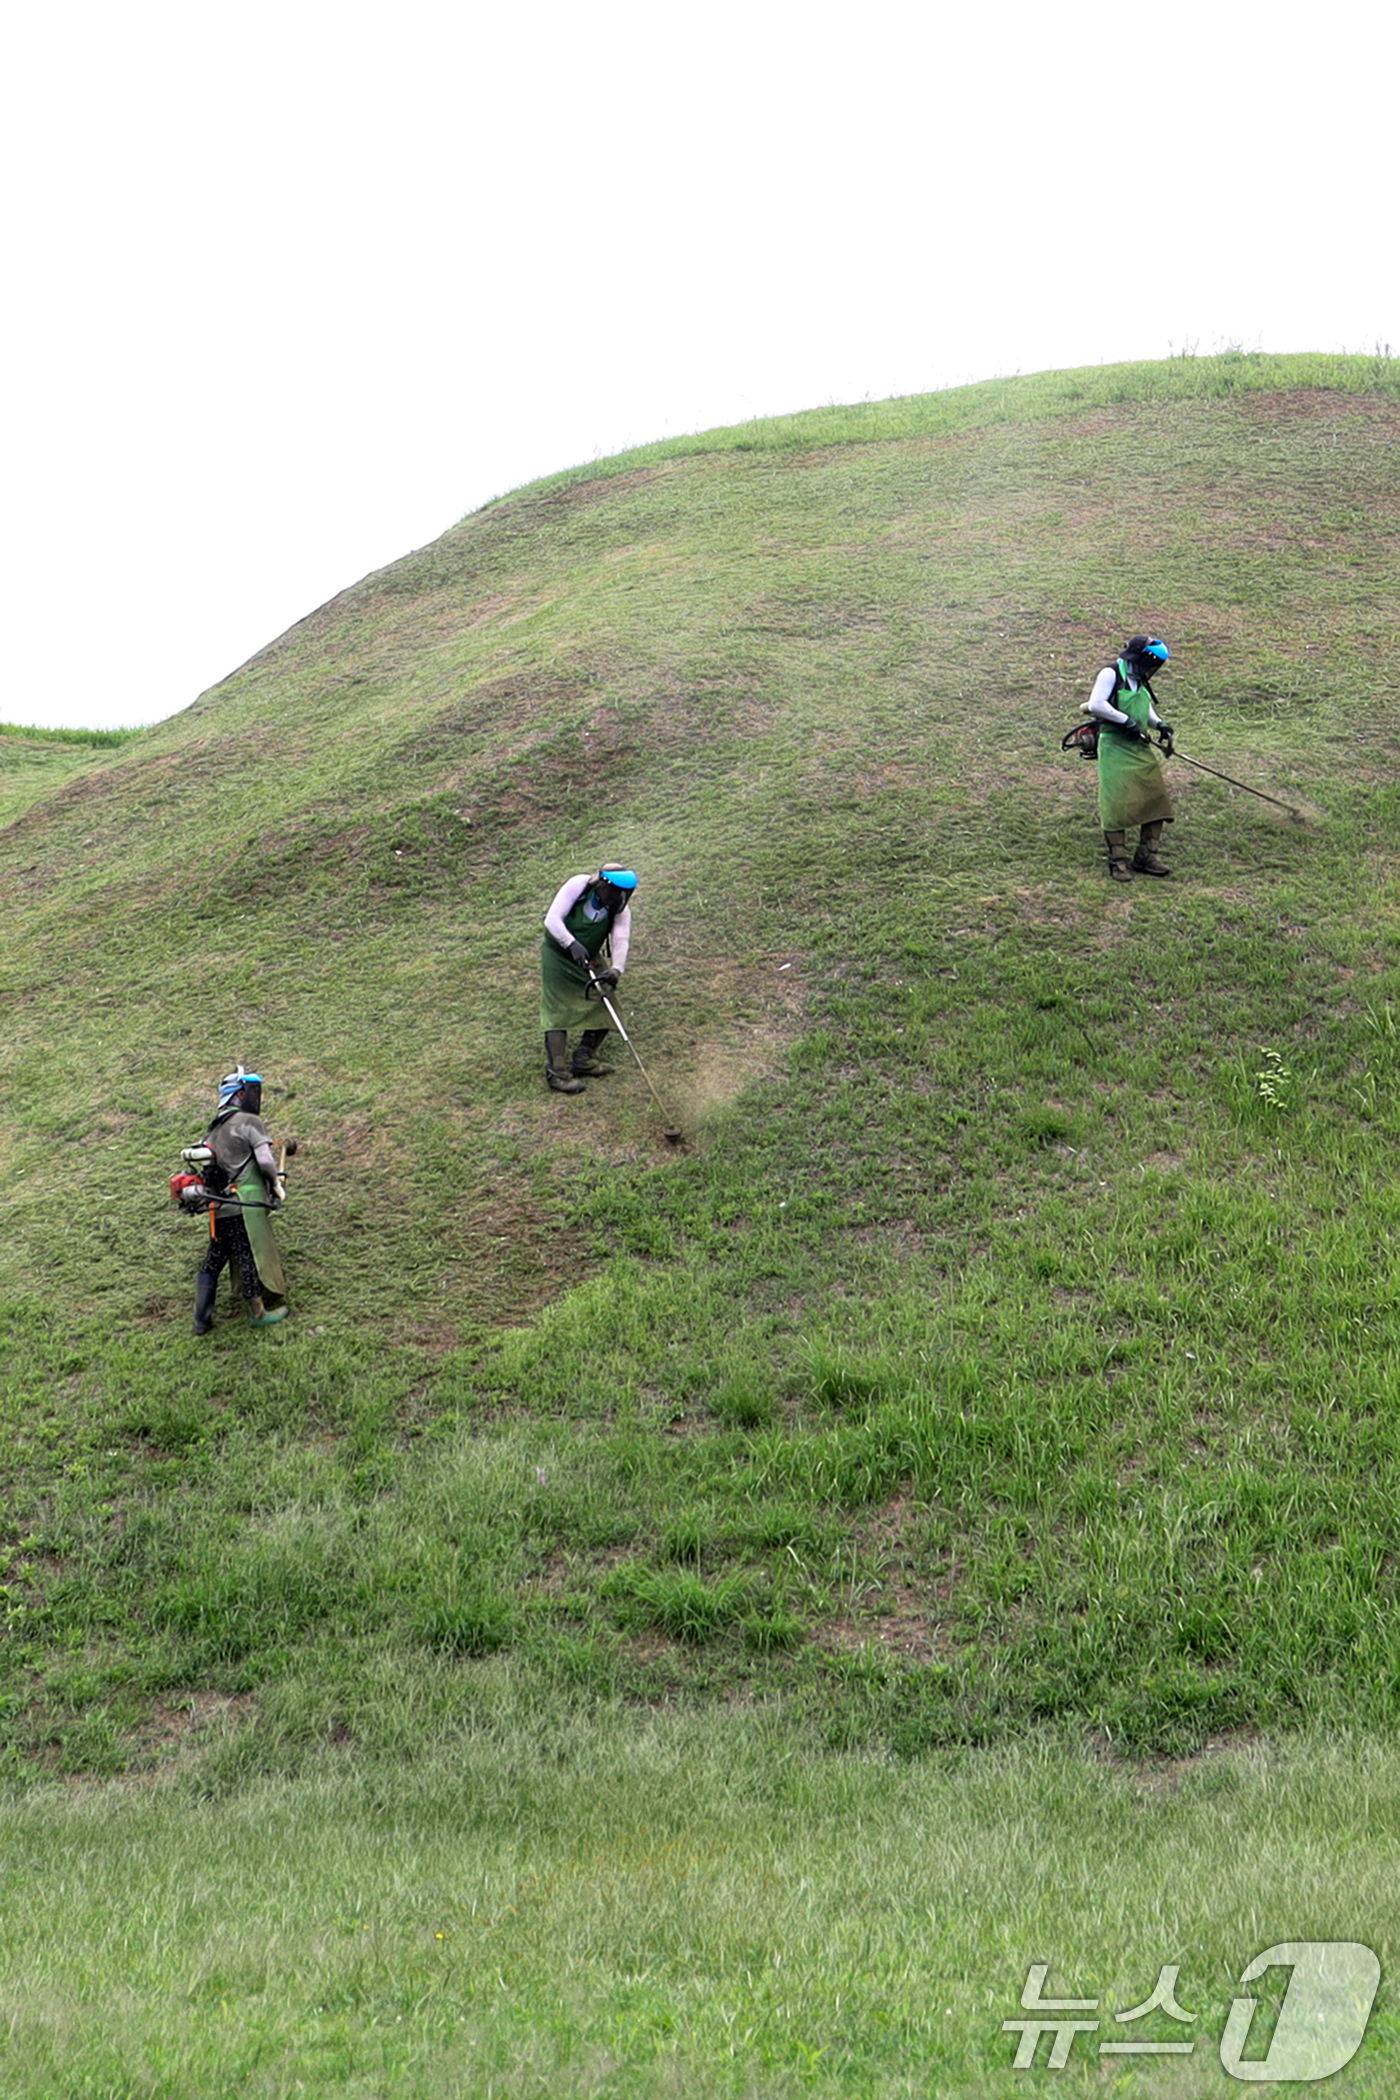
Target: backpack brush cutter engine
[1083,738]
[192,1192]
[189,1189]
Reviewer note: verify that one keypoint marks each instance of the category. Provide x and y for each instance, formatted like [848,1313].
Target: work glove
[277,1194]
[1164,737]
[608,979]
[578,954]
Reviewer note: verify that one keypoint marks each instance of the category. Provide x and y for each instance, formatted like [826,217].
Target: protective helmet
[613,886]
[233,1084]
[1149,654]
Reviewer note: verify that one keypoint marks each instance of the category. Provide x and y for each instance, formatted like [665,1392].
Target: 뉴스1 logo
[1320,2024]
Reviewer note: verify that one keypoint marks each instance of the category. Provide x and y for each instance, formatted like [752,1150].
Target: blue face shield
[233,1083]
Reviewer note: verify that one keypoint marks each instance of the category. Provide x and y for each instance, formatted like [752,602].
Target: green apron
[564,1000]
[257,1220]
[1132,777]
[229,1135]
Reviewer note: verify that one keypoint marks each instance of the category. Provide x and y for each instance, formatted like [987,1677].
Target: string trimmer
[1084,738]
[671,1135]
[1229,777]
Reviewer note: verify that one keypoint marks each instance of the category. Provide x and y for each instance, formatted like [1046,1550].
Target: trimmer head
[671,1135]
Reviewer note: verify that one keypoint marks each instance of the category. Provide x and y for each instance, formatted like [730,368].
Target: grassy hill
[1008,1353]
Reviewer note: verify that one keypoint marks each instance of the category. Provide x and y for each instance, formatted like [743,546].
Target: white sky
[291,288]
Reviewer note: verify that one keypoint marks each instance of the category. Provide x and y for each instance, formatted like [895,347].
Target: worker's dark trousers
[229,1242]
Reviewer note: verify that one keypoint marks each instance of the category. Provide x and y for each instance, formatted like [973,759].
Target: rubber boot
[205,1291]
[556,1065]
[261,1315]
[1147,860]
[585,1064]
[1119,865]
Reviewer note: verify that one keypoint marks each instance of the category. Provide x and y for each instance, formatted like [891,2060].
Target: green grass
[87,739]
[684,1904]
[1006,1358]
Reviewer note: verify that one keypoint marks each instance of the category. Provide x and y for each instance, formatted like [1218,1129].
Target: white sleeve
[564,902]
[621,938]
[1100,701]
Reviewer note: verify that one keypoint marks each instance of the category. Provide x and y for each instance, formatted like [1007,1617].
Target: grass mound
[1009,1346]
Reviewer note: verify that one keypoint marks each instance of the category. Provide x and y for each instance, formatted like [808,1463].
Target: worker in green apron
[1132,777]
[247,1188]
[588,925]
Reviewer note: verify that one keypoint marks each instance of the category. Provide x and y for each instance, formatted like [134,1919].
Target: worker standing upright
[246,1187]
[1132,778]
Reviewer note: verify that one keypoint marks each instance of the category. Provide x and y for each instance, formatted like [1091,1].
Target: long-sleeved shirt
[1100,700]
[565,900]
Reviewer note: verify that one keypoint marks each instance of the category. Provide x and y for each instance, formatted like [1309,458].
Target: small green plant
[1273,1082]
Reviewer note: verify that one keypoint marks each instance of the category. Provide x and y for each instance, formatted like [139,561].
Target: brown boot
[556,1063]
[1119,865]
[1147,860]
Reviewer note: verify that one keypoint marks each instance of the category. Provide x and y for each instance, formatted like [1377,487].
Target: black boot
[585,1063]
[556,1065]
[1147,860]
[205,1290]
